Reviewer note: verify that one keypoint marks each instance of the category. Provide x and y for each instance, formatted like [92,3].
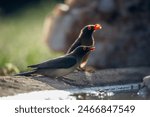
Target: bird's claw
[90,70]
[81,69]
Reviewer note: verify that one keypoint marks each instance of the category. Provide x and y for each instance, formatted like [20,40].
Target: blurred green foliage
[21,36]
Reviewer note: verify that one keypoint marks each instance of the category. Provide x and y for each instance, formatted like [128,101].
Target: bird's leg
[81,69]
[86,69]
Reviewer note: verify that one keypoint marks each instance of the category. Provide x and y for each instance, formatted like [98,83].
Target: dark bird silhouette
[60,66]
[86,39]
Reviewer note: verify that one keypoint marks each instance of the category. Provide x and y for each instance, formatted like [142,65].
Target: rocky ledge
[11,85]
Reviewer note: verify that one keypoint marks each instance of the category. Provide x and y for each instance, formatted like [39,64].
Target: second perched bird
[60,66]
[86,39]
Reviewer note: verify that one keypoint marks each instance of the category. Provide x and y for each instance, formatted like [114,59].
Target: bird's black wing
[63,62]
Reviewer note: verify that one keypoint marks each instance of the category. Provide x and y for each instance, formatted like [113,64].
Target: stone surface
[124,39]
[11,85]
[145,87]
[146,82]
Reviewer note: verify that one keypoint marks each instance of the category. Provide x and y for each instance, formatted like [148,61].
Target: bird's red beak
[92,48]
[97,27]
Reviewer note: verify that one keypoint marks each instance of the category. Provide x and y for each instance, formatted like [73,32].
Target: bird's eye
[84,48]
[89,27]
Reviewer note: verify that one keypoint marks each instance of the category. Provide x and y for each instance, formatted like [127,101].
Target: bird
[61,66]
[85,38]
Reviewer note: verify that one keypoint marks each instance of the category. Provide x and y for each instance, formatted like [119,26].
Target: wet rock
[11,85]
[146,82]
[143,92]
[123,41]
[109,77]
[145,89]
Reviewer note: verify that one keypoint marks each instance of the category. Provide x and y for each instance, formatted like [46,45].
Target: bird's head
[91,28]
[83,50]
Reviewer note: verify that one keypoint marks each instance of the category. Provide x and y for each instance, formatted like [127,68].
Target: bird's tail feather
[25,73]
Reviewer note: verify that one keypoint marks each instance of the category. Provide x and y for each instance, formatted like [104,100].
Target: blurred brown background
[124,40]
